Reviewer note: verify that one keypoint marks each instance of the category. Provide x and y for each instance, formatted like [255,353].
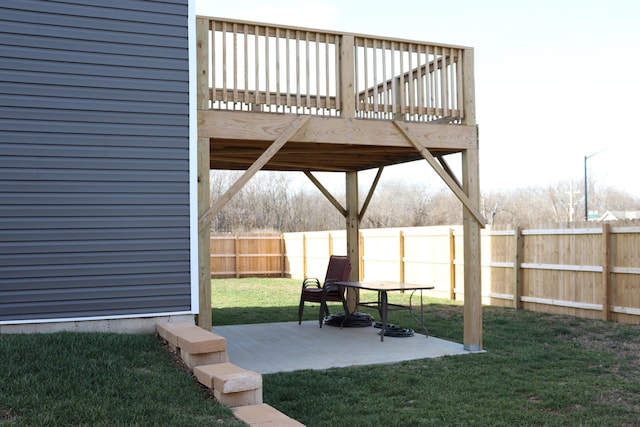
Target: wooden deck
[274,97]
[357,90]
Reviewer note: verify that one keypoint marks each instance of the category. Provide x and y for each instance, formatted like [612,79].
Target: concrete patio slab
[284,347]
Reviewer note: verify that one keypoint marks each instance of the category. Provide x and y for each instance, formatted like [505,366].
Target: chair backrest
[338,269]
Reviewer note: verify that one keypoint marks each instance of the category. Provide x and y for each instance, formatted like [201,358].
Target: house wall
[94,160]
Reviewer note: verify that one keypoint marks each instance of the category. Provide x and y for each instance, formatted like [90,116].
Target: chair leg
[324,311]
[300,310]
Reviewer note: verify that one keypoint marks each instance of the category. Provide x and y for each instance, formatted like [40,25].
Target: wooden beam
[204,191]
[286,134]
[451,183]
[326,193]
[253,126]
[449,171]
[374,184]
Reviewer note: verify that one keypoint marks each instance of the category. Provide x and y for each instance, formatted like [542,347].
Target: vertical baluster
[317,73]
[419,69]
[401,87]
[459,91]
[245,31]
[436,86]
[410,83]
[212,64]
[375,78]
[365,88]
[267,65]
[307,71]
[224,62]
[458,80]
[338,78]
[288,71]
[445,83]
[427,79]
[256,63]
[327,91]
[356,85]
[235,63]
[385,94]
[298,98]
[277,68]
[394,84]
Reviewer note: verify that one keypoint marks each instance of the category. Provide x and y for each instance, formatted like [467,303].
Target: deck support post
[472,273]
[472,340]
[347,111]
[204,191]
[353,232]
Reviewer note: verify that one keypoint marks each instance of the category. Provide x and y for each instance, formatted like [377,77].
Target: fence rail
[588,270]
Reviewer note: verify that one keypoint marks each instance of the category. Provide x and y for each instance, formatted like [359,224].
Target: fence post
[283,259]
[236,246]
[401,255]
[304,255]
[606,272]
[361,256]
[518,273]
[452,265]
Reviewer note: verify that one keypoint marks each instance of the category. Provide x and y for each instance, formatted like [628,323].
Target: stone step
[169,330]
[197,346]
[263,415]
[232,385]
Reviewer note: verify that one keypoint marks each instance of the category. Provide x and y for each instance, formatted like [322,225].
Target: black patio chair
[312,291]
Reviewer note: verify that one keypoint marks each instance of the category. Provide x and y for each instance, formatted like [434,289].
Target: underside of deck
[331,144]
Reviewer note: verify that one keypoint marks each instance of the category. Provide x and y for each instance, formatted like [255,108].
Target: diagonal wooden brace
[264,158]
[451,183]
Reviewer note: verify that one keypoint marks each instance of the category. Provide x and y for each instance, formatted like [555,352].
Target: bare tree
[272,201]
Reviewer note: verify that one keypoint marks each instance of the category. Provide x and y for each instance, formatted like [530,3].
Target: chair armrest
[310,281]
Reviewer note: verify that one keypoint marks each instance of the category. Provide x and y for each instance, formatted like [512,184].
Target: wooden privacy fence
[588,270]
[244,255]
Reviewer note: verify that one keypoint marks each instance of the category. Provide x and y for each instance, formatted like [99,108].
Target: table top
[385,285]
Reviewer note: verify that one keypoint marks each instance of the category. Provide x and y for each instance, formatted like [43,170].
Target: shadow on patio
[286,346]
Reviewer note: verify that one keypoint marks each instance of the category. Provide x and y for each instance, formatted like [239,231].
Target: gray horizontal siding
[94,159]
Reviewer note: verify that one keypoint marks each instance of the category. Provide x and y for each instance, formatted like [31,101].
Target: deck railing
[272,68]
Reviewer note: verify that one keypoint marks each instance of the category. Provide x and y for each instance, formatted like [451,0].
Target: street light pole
[586,197]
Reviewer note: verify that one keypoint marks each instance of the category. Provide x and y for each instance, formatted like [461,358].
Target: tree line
[275,201]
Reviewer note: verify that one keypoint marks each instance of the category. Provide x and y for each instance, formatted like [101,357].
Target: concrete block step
[169,331]
[197,346]
[263,415]
[227,378]
[196,340]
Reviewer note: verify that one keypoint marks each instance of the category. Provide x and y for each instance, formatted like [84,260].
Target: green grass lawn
[99,379]
[539,370]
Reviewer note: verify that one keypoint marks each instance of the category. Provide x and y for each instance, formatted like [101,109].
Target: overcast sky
[556,80]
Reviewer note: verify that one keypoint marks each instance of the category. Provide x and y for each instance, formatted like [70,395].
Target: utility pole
[571,203]
[586,196]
